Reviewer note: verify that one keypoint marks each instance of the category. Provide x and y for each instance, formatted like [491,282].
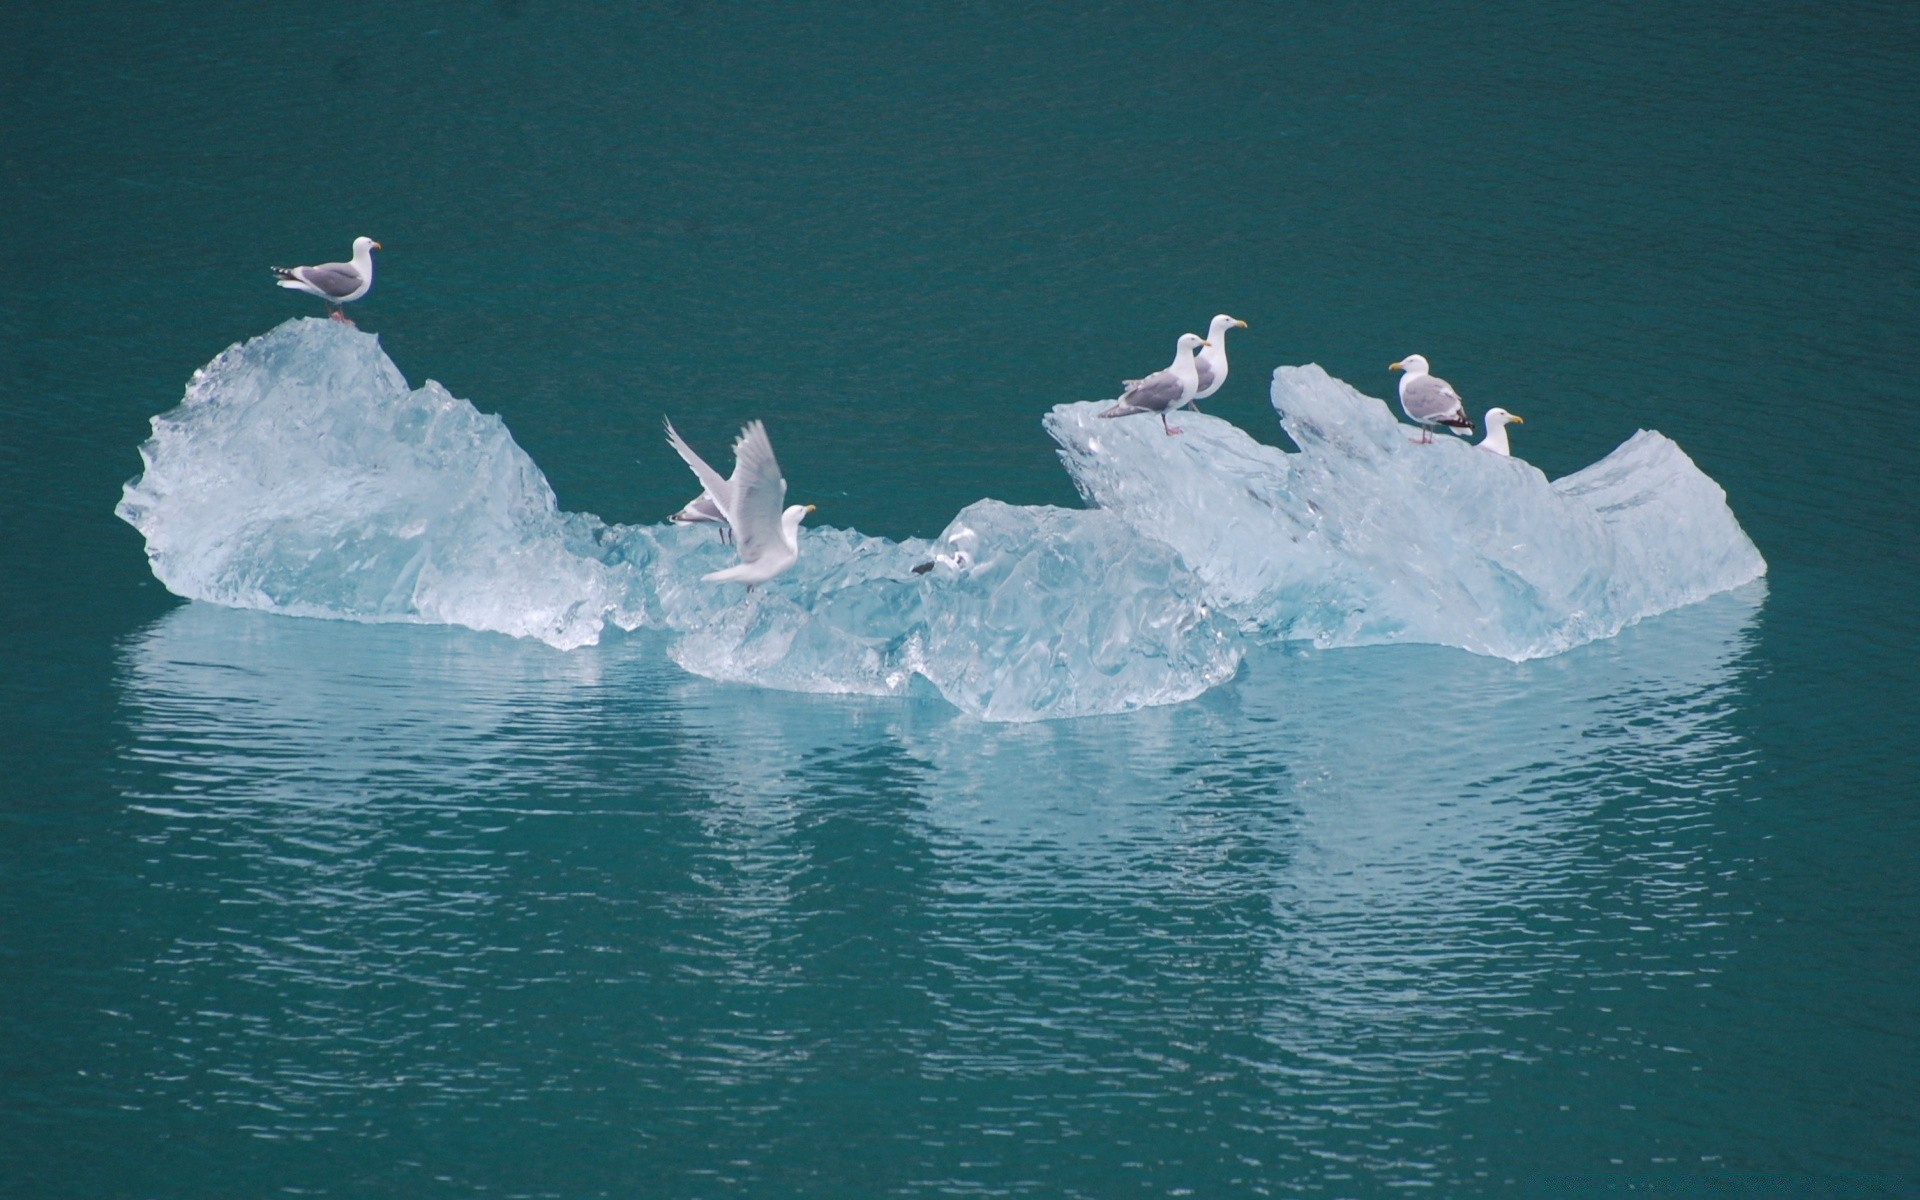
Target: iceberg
[1363,537]
[303,475]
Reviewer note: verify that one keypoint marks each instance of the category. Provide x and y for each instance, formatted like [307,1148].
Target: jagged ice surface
[1365,537]
[302,475]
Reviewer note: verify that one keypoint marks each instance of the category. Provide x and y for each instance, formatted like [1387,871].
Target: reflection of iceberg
[1329,914]
[302,476]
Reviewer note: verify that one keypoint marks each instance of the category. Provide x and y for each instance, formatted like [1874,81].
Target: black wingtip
[923,568]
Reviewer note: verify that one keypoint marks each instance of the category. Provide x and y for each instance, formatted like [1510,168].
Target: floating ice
[301,475]
[1364,537]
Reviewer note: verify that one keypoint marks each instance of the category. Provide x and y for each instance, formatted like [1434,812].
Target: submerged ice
[303,475]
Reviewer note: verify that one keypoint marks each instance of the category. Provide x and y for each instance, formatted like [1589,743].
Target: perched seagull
[1496,440]
[1163,391]
[701,510]
[767,538]
[1211,362]
[1429,400]
[336,283]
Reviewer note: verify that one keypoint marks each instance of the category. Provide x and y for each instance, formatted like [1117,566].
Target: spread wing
[716,487]
[333,279]
[759,495]
[1156,393]
[1428,399]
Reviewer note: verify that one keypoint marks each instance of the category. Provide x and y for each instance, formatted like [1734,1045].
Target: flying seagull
[336,283]
[1430,400]
[1163,391]
[767,538]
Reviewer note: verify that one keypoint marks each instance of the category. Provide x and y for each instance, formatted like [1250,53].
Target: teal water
[302,907]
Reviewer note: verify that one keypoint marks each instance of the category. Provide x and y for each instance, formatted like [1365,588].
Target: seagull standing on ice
[768,539]
[336,283]
[1163,391]
[1496,440]
[1211,362]
[1430,400]
[701,510]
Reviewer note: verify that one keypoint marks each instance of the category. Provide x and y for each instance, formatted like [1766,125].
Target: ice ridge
[1363,537]
[302,475]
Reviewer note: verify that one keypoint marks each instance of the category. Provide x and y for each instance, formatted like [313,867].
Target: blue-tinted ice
[302,475]
[1364,537]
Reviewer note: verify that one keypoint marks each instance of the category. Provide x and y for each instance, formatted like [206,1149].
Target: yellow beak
[1516,420]
[809,508]
[1393,366]
[376,245]
[1241,324]
[1205,342]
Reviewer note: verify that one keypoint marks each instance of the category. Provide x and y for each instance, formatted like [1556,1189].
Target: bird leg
[343,318]
[1171,431]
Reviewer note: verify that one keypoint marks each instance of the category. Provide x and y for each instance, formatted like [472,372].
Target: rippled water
[1314,930]
[297,908]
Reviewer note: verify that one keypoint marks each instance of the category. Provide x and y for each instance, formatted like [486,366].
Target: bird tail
[282,272]
[1461,426]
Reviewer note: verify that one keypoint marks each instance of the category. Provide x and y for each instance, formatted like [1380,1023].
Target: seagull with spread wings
[766,537]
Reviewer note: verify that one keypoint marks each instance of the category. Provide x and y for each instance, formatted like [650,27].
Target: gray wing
[1428,399]
[760,495]
[1156,393]
[335,279]
[700,508]
[1205,371]
[716,487]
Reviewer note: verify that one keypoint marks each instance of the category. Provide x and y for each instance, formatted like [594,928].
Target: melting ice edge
[301,475]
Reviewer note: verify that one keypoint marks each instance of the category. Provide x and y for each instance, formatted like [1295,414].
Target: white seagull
[768,539]
[1430,400]
[1163,391]
[336,283]
[1211,362]
[1496,440]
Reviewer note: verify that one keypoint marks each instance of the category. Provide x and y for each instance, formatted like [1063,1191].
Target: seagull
[1496,440]
[701,510]
[1211,362]
[768,539]
[1163,391]
[336,283]
[1429,400]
